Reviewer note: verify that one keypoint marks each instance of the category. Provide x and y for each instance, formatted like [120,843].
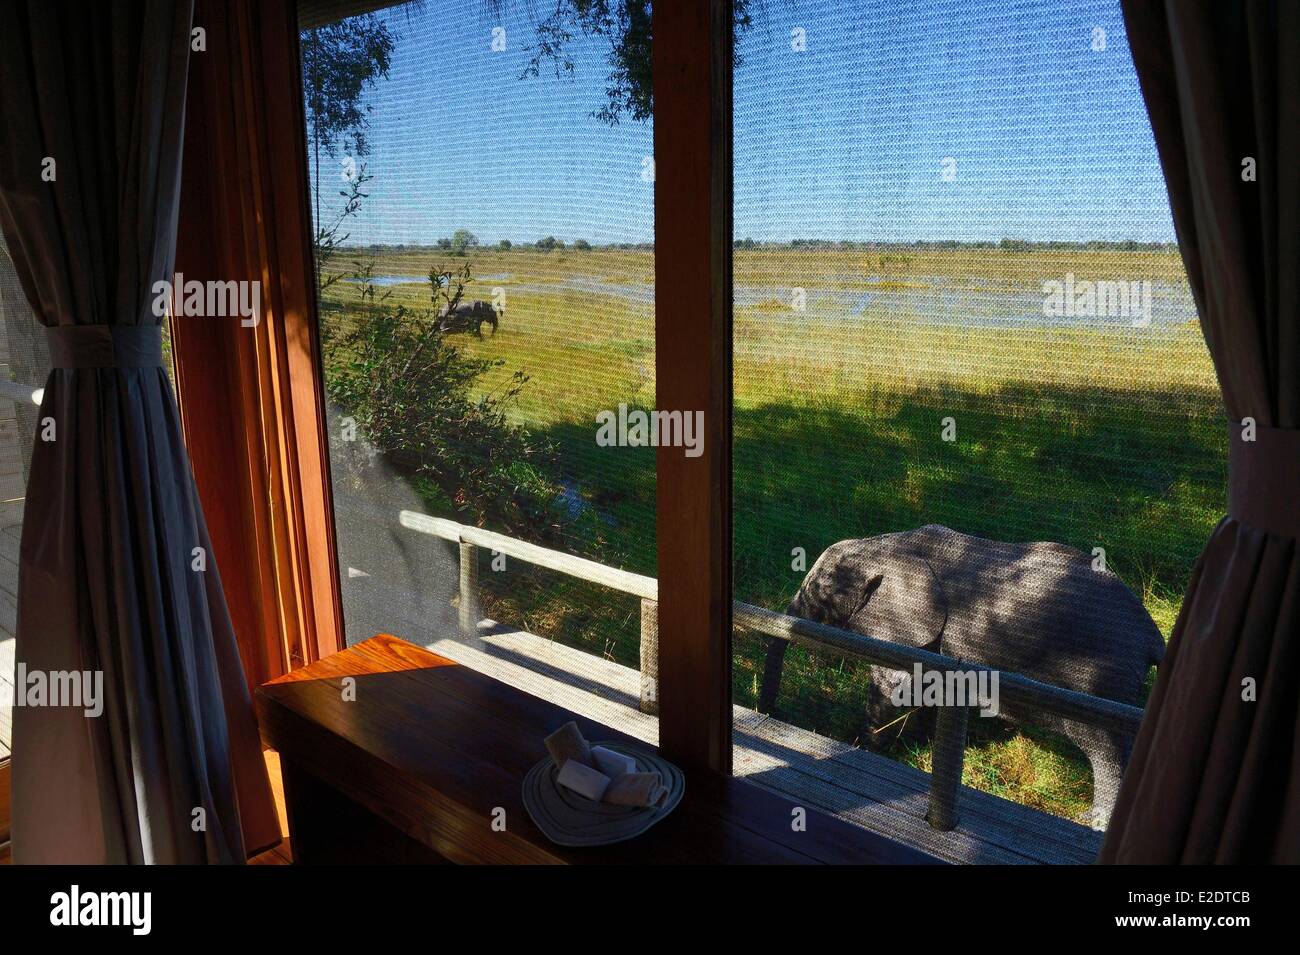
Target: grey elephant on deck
[1038,609]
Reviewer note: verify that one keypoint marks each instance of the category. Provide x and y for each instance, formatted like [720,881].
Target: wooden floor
[859,786]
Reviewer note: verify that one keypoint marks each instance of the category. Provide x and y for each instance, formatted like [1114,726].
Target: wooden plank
[692,65]
[1015,687]
[600,690]
[579,567]
[10,538]
[434,748]
[8,576]
[988,827]
[1070,704]
[8,610]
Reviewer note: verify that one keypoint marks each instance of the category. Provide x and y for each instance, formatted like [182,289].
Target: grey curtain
[106,579]
[1215,773]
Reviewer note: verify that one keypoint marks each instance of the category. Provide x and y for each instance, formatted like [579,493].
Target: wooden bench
[412,759]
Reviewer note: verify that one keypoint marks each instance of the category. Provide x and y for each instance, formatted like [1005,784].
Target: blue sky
[844,140]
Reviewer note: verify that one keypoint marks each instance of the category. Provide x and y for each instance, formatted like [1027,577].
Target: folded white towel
[583,780]
[568,743]
[612,763]
[636,789]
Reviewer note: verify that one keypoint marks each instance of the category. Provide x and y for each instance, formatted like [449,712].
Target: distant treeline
[551,243]
[1009,245]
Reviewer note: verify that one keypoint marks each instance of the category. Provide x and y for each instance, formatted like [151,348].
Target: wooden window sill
[413,769]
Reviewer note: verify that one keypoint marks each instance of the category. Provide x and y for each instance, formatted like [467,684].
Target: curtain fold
[171,772]
[1215,772]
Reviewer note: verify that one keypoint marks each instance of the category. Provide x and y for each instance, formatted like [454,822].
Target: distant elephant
[468,317]
[1037,609]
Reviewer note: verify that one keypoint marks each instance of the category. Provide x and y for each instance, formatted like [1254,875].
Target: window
[973,413]
[960,319]
[484,245]
[24,365]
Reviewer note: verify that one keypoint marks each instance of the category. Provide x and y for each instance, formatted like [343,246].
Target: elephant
[1039,609]
[468,317]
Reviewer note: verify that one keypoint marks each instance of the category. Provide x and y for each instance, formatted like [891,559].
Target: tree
[463,240]
[625,24]
[504,245]
[419,401]
[330,236]
[582,245]
[340,61]
[547,244]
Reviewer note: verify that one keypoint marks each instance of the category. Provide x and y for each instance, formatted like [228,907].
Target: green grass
[1110,438]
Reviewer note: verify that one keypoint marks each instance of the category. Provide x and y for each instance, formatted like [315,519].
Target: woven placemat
[568,819]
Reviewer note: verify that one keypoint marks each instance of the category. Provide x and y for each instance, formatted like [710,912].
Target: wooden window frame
[252,401]
[692,66]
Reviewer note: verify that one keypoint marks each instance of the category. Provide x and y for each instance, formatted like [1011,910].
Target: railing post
[469,607]
[649,656]
[946,758]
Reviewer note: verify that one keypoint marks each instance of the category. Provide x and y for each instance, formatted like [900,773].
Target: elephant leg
[771,684]
[1108,754]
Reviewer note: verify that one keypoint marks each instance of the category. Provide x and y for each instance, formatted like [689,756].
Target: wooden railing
[949,745]
[20,393]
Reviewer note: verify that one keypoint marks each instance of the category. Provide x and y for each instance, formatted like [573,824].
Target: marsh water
[938,300]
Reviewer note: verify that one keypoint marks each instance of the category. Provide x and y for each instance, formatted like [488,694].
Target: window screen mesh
[960,319]
[24,365]
[481,149]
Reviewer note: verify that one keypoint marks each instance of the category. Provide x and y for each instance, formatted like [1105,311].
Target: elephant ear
[833,587]
[903,603]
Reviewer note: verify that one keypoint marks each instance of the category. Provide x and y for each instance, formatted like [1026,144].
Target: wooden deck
[856,785]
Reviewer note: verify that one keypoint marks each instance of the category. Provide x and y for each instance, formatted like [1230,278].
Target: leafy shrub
[414,397]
